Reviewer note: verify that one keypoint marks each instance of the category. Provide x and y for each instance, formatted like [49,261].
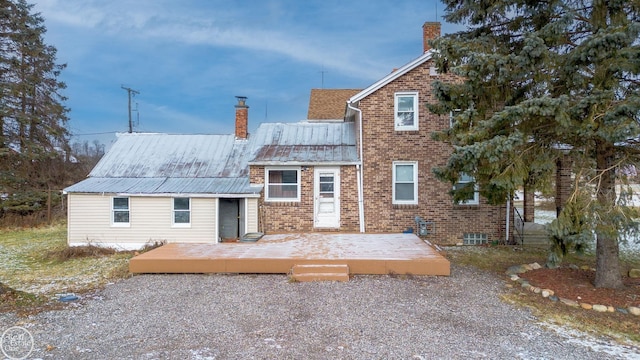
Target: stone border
[513,272]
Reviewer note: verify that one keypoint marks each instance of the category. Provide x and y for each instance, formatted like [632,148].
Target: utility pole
[130,92]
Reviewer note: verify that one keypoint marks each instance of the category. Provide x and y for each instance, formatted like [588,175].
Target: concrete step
[535,239]
[320,272]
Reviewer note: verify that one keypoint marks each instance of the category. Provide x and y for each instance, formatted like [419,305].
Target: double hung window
[406,111]
[120,211]
[464,181]
[405,182]
[181,211]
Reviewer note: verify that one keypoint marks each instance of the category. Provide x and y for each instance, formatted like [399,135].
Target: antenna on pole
[322,76]
[130,93]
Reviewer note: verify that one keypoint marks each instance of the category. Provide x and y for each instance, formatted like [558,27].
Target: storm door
[327,197]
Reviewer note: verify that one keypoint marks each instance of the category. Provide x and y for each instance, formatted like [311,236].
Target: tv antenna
[131,93]
[322,72]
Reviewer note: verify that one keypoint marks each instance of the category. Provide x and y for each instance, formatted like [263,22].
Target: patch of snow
[202,354]
[598,345]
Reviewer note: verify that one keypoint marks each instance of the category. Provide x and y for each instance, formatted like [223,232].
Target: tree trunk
[607,251]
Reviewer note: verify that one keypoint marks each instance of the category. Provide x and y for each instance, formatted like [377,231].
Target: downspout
[359,170]
[508,219]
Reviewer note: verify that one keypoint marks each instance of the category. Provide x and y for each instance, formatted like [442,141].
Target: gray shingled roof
[213,164]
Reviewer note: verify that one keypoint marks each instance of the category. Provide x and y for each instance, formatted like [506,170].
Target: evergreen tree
[33,118]
[541,80]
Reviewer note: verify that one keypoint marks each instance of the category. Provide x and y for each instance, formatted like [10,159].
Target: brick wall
[242,120]
[564,182]
[383,145]
[430,31]
[289,217]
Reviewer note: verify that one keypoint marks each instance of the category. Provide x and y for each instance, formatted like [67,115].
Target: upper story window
[406,111]
[405,182]
[120,211]
[283,184]
[472,198]
[181,211]
[452,114]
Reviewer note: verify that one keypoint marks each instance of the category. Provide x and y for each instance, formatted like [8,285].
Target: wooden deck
[362,253]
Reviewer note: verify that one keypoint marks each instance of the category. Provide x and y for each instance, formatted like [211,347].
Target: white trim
[396,124]
[174,224]
[282,168]
[189,195]
[119,246]
[217,221]
[330,221]
[415,183]
[303,163]
[476,194]
[113,210]
[392,76]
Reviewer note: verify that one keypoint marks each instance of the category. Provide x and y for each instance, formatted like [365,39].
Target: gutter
[359,170]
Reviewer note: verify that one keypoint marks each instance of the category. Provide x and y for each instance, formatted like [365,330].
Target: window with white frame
[472,198]
[406,111]
[283,184]
[120,211]
[405,182]
[181,211]
[451,115]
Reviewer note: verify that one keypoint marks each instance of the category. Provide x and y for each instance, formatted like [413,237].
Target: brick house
[361,162]
[398,155]
[392,182]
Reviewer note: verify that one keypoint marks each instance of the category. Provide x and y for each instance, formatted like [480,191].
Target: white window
[451,115]
[120,211]
[181,212]
[405,182]
[406,111]
[463,181]
[283,184]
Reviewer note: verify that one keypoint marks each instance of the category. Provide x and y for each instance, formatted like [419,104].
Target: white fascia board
[305,163]
[190,195]
[392,76]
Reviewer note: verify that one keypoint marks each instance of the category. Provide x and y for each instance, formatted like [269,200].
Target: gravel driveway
[267,317]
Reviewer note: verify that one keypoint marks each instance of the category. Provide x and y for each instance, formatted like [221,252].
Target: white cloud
[155,21]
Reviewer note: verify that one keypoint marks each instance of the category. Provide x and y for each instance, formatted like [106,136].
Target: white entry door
[327,197]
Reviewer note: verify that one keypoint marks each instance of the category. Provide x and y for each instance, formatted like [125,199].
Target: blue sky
[188,59]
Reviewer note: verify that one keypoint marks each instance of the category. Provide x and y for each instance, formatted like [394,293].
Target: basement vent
[474,239]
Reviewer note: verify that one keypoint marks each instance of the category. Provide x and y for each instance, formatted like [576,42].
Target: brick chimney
[242,117]
[430,31]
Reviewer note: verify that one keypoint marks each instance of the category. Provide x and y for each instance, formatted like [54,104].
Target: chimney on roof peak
[430,31]
[242,117]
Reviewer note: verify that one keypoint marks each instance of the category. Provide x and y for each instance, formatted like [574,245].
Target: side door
[326,197]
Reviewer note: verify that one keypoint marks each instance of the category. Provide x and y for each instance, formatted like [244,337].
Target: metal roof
[305,143]
[216,186]
[174,156]
[143,163]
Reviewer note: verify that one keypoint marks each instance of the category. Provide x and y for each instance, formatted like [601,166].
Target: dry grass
[497,259]
[74,252]
[38,261]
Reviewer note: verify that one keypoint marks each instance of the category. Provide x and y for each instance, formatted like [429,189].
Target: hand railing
[518,226]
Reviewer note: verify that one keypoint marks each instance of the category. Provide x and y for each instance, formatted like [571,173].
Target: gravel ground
[267,317]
